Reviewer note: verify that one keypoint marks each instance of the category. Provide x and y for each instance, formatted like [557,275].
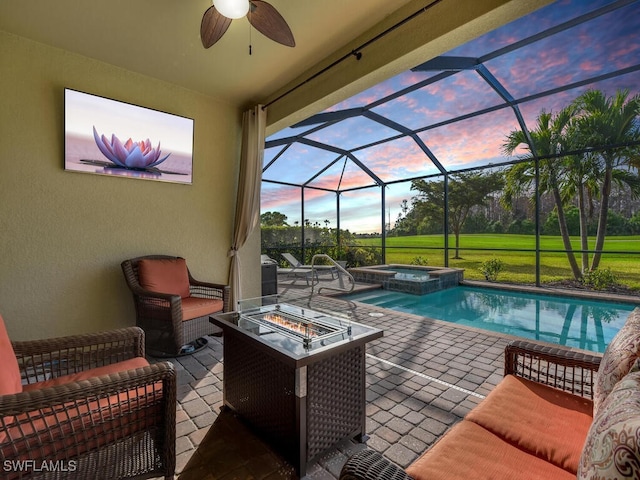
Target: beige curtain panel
[248,202]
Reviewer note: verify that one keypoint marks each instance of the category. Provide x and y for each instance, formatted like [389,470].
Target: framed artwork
[108,137]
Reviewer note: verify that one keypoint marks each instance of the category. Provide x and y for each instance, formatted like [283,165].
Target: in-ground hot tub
[416,279]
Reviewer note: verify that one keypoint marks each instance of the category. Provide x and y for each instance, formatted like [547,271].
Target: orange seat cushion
[10,381]
[129,364]
[540,420]
[85,424]
[468,451]
[194,307]
[164,275]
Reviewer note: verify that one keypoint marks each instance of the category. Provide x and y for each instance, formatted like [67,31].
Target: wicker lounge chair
[172,307]
[85,406]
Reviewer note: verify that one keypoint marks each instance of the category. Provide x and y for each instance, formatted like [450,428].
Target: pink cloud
[625,56]
[472,140]
[353,179]
[368,96]
[408,101]
[274,198]
[411,78]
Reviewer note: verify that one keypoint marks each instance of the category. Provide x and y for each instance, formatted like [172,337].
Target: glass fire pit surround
[296,375]
[294,328]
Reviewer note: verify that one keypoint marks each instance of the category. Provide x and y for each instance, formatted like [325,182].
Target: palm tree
[608,123]
[548,139]
[581,173]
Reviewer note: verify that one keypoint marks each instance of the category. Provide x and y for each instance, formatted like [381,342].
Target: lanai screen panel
[360,210]
[472,142]
[397,160]
[352,132]
[573,55]
[319,211]
[382,90]
[289,132]
[398,199]
[427,198]
[538,21]
[554,103]
[297,164]
[534,73]
[282,198]
[458,94]
[343,175]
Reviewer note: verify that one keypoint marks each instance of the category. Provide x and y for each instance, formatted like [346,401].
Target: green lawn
[519,267]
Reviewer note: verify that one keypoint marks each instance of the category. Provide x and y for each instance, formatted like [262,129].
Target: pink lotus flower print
[132,155]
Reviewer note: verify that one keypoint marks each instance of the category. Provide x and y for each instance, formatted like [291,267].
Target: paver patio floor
[422,377]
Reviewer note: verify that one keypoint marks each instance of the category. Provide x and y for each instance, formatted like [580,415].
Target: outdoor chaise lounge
[557,414]
[85,406]
[319,268]
[304,271]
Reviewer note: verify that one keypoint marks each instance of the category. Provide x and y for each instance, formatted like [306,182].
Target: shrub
[360,256]
[419,260]
[600,279]
[522,227]
[491,268]
[496,227]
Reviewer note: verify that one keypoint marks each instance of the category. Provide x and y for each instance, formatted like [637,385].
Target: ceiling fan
[261,15]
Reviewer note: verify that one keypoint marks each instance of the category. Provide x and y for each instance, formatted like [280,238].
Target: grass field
[519,266]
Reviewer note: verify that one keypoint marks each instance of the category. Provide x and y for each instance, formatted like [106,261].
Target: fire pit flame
[304,325]
[292,325]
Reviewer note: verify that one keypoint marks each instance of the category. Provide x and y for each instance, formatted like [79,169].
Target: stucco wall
[63,234]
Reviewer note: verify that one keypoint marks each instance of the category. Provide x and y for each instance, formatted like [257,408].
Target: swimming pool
[585,324]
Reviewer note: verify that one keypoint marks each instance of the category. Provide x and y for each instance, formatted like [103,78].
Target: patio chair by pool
[266,259]
[305,272]
[295,263]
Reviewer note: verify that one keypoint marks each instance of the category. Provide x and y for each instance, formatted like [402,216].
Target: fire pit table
[296,375]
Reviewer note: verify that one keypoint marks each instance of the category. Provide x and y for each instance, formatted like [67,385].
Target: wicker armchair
[172,320]
[86,406]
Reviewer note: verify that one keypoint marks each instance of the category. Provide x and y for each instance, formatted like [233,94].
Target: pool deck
[422,377]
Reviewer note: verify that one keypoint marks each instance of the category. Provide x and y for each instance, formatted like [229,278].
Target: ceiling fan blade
[213,26]
[266,19]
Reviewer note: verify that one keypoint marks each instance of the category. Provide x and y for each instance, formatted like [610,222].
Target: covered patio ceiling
[452,113]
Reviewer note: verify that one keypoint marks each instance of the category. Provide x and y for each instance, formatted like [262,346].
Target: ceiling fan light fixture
[232,8]
[263,17]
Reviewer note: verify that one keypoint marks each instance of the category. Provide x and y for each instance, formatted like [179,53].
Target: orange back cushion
[164,276]
[10,372]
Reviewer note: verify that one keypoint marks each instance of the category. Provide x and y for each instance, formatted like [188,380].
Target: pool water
[585,324]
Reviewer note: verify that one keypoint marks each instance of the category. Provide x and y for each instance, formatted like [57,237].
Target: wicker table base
[302,408]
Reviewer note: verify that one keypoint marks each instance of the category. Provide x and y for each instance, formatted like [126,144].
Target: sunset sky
[602,45]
